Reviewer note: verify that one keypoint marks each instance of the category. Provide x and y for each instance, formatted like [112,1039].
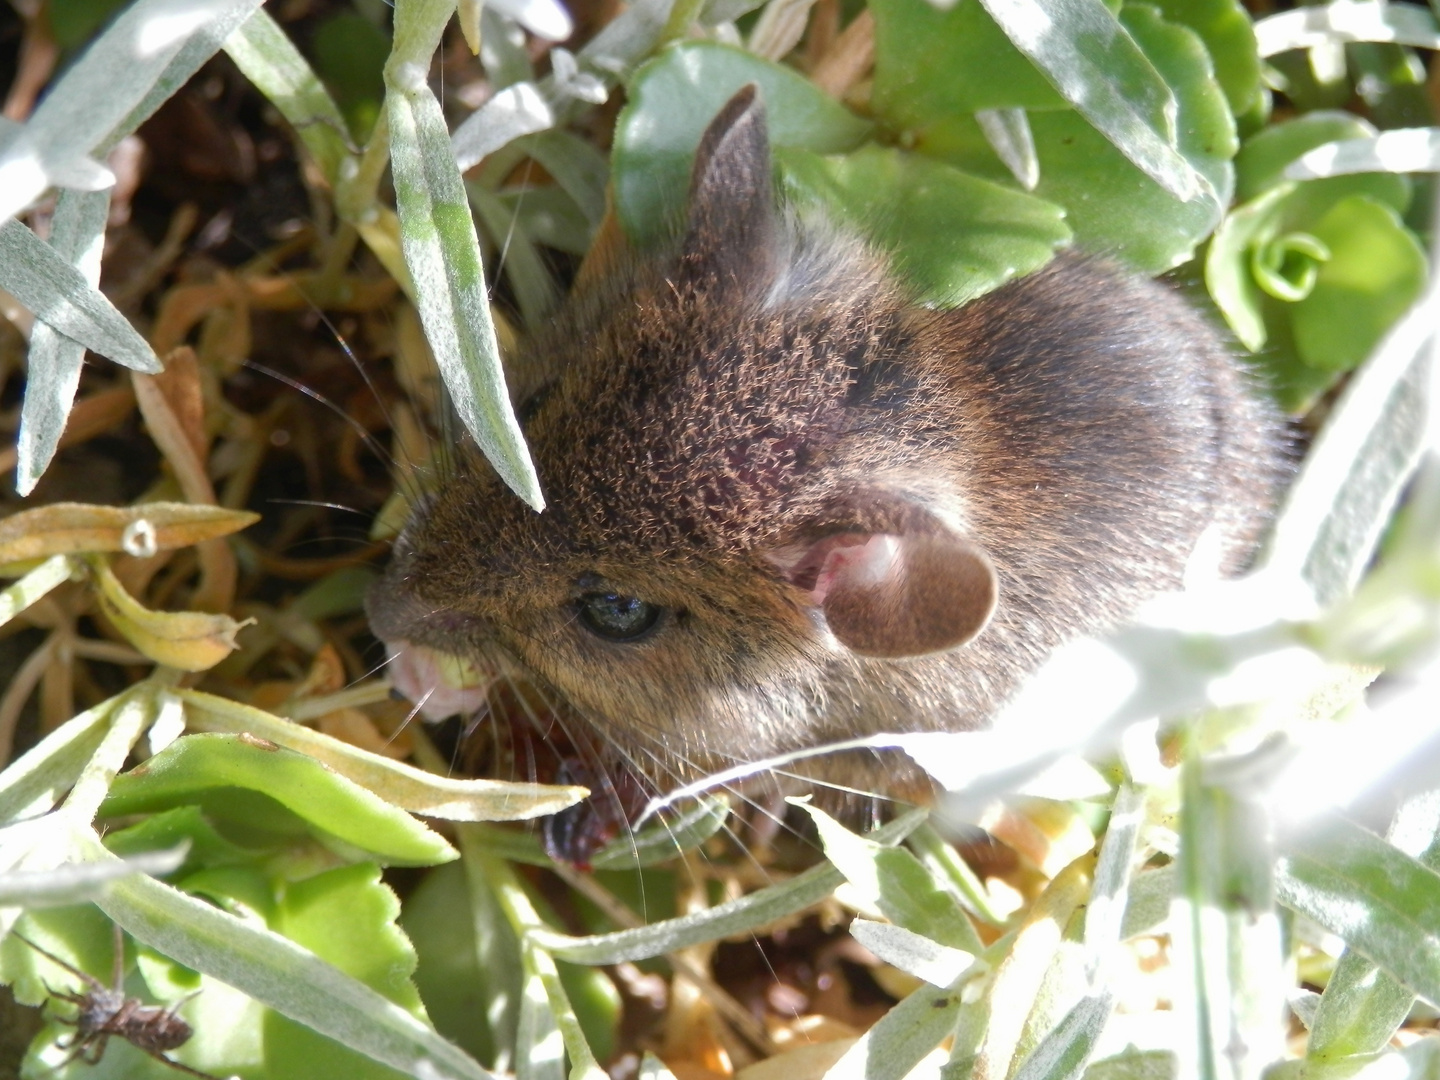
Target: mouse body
[788,506]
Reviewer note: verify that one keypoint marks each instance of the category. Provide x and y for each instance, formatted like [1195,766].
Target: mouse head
[755,495]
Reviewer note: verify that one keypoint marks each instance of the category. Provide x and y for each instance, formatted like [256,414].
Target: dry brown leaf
[73,528]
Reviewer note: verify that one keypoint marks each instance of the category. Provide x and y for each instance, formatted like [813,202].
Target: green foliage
[980,147]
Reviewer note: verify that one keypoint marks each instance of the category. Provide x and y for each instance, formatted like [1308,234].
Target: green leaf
[665,839]
[902,1037]
[273,970]
[1262,161]
[934,62]
[267,57]
[57,293]
[206,769]
[466,998]
[1336,509]
[1383,903]
[671,101]
[1362,1007]
[953,236]
[394,781]
[185,825]
[350,53]
[438,238]
[1090,58]
[1345,20]
[740,916]
[1376,270]
[1226,932]
[1112,206]
[77,233]
[895,881]
[1225,27]
[141,59]
[347,918]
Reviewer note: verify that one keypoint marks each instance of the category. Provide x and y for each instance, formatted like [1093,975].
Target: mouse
[787,505]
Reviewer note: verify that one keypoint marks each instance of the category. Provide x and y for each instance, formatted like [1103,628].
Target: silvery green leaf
[1347,20]
[1008,133]
[578,168]
[652,1068]
[1065,1050]
[937,964]
[665,839]
[1400,151]
[1090,58]
[902,1037]
[1225,931]
[544,18]
[34,782]
[1336,509]
[740,916]
[1382,902]
[626,39]
[74,883]
[57,293]
[538,1034]
[77,233]
[267,57]
[569,81]
[276,972]
[438,238]
[515,111]
[1110,893]
[124,75]
[502,51]
[1362,1005]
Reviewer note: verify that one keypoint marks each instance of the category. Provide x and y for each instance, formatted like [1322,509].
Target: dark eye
[617,618]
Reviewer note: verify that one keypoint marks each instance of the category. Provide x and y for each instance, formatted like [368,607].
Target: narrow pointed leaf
[443,254]
[56,292]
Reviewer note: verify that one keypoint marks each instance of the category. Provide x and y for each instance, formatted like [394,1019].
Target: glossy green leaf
[1115,83]
[1111,205]
[394,781]
[1376,270]
[206,769]
[468,975]
[895,882]
[286,977]
[1224,26]
[344,916]
[954,237]
[671,101]
[931,64]
[1262,161]
[204,844]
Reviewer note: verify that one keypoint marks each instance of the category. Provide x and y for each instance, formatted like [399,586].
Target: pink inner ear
[895,595]
[856,562]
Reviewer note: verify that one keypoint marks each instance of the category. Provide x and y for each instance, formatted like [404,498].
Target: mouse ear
[732,200]
[896,595]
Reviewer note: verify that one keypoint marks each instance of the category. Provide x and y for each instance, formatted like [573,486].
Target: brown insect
[104,1011]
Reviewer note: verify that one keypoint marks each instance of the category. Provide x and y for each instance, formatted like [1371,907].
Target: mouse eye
[617,618]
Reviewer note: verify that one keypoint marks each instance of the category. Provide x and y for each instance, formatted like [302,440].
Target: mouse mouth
[441,684]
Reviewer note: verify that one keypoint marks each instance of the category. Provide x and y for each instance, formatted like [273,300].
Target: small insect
[105,1011]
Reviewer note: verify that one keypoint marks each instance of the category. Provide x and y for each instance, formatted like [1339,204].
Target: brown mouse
[788,506]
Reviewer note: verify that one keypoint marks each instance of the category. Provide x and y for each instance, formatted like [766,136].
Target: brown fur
[698,416]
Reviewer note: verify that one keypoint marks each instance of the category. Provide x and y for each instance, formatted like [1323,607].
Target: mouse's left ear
[731,225]
[892,595]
